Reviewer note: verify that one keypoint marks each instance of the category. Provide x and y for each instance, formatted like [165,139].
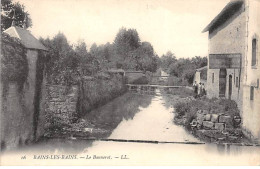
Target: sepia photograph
[130,83]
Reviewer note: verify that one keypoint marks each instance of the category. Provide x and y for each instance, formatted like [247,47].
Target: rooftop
[229,10]
[27,39]
[202,68]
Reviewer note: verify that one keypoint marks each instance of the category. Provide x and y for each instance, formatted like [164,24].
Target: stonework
[61,101]
[235,36]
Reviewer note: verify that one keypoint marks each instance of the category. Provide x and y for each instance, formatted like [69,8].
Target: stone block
[220,126]
[214,117]
[205,112]
[208,117]
[225,119]
[208,124]
[200,118]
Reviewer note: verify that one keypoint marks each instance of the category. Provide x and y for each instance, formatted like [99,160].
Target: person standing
[199,89]
[195,87]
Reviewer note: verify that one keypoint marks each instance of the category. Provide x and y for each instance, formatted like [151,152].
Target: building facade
[201,76]
[233,68]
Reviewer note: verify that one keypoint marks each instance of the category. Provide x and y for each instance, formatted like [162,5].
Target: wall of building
[251,108]
[17,114]
[213,86]
[198,77]
[226,39]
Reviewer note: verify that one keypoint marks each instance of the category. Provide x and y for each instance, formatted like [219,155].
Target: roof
[229,10]
[27,39]
[202,68]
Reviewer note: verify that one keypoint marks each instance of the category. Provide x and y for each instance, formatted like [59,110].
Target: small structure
[233,68]
[22,113]
[201,75]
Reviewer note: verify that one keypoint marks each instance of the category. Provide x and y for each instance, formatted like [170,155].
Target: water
[134,117]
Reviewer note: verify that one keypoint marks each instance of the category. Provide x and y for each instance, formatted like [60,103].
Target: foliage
[182,69]
[14,65]
[182,92]
[181,108]
[167,59]
[63,62]
[132,54]
[66,63]
[8,7]
[141,80]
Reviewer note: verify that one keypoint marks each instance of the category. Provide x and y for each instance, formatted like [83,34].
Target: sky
[169,25]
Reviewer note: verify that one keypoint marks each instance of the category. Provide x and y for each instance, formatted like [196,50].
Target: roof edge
[222,12]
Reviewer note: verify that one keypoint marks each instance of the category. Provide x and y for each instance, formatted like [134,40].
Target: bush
[141,80]
[181,108]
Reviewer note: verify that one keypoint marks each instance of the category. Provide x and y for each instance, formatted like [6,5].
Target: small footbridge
[149,88]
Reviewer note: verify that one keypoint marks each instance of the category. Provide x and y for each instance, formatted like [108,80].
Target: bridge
[148,88]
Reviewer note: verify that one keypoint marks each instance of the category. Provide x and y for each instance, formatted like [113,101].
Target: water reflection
[122,108]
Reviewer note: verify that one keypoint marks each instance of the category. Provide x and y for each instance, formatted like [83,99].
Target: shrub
[181,108]
[141,80]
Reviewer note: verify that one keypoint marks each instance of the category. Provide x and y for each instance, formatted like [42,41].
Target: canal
[136,129]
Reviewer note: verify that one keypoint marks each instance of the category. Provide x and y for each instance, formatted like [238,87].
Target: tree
[8,9]
[167,60]
[63,62]
[126,41]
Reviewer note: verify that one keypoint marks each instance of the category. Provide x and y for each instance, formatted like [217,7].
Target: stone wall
[95,92]
[60,106]
[65,104]
[18,125]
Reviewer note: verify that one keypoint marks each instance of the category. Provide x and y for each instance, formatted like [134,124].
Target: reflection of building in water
[233,69]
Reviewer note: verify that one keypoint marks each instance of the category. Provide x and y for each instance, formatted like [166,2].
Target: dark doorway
[230,87]
[222,82]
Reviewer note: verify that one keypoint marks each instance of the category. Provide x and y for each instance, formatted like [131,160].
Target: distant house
[201,75]
[233,68]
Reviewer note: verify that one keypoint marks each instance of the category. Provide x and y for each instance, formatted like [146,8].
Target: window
[212,77]
[252,93]
[236,81]
[254,52]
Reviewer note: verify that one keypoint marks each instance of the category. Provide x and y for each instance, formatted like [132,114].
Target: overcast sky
[173,25]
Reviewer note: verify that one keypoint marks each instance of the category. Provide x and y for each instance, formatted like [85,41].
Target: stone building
[233,68]
[201,75]
[22,116]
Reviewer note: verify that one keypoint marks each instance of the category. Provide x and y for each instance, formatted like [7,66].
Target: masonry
[65,104]
[22,89]
[233,69]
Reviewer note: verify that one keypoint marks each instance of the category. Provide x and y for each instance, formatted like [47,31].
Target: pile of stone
[216,127]
[208,120]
